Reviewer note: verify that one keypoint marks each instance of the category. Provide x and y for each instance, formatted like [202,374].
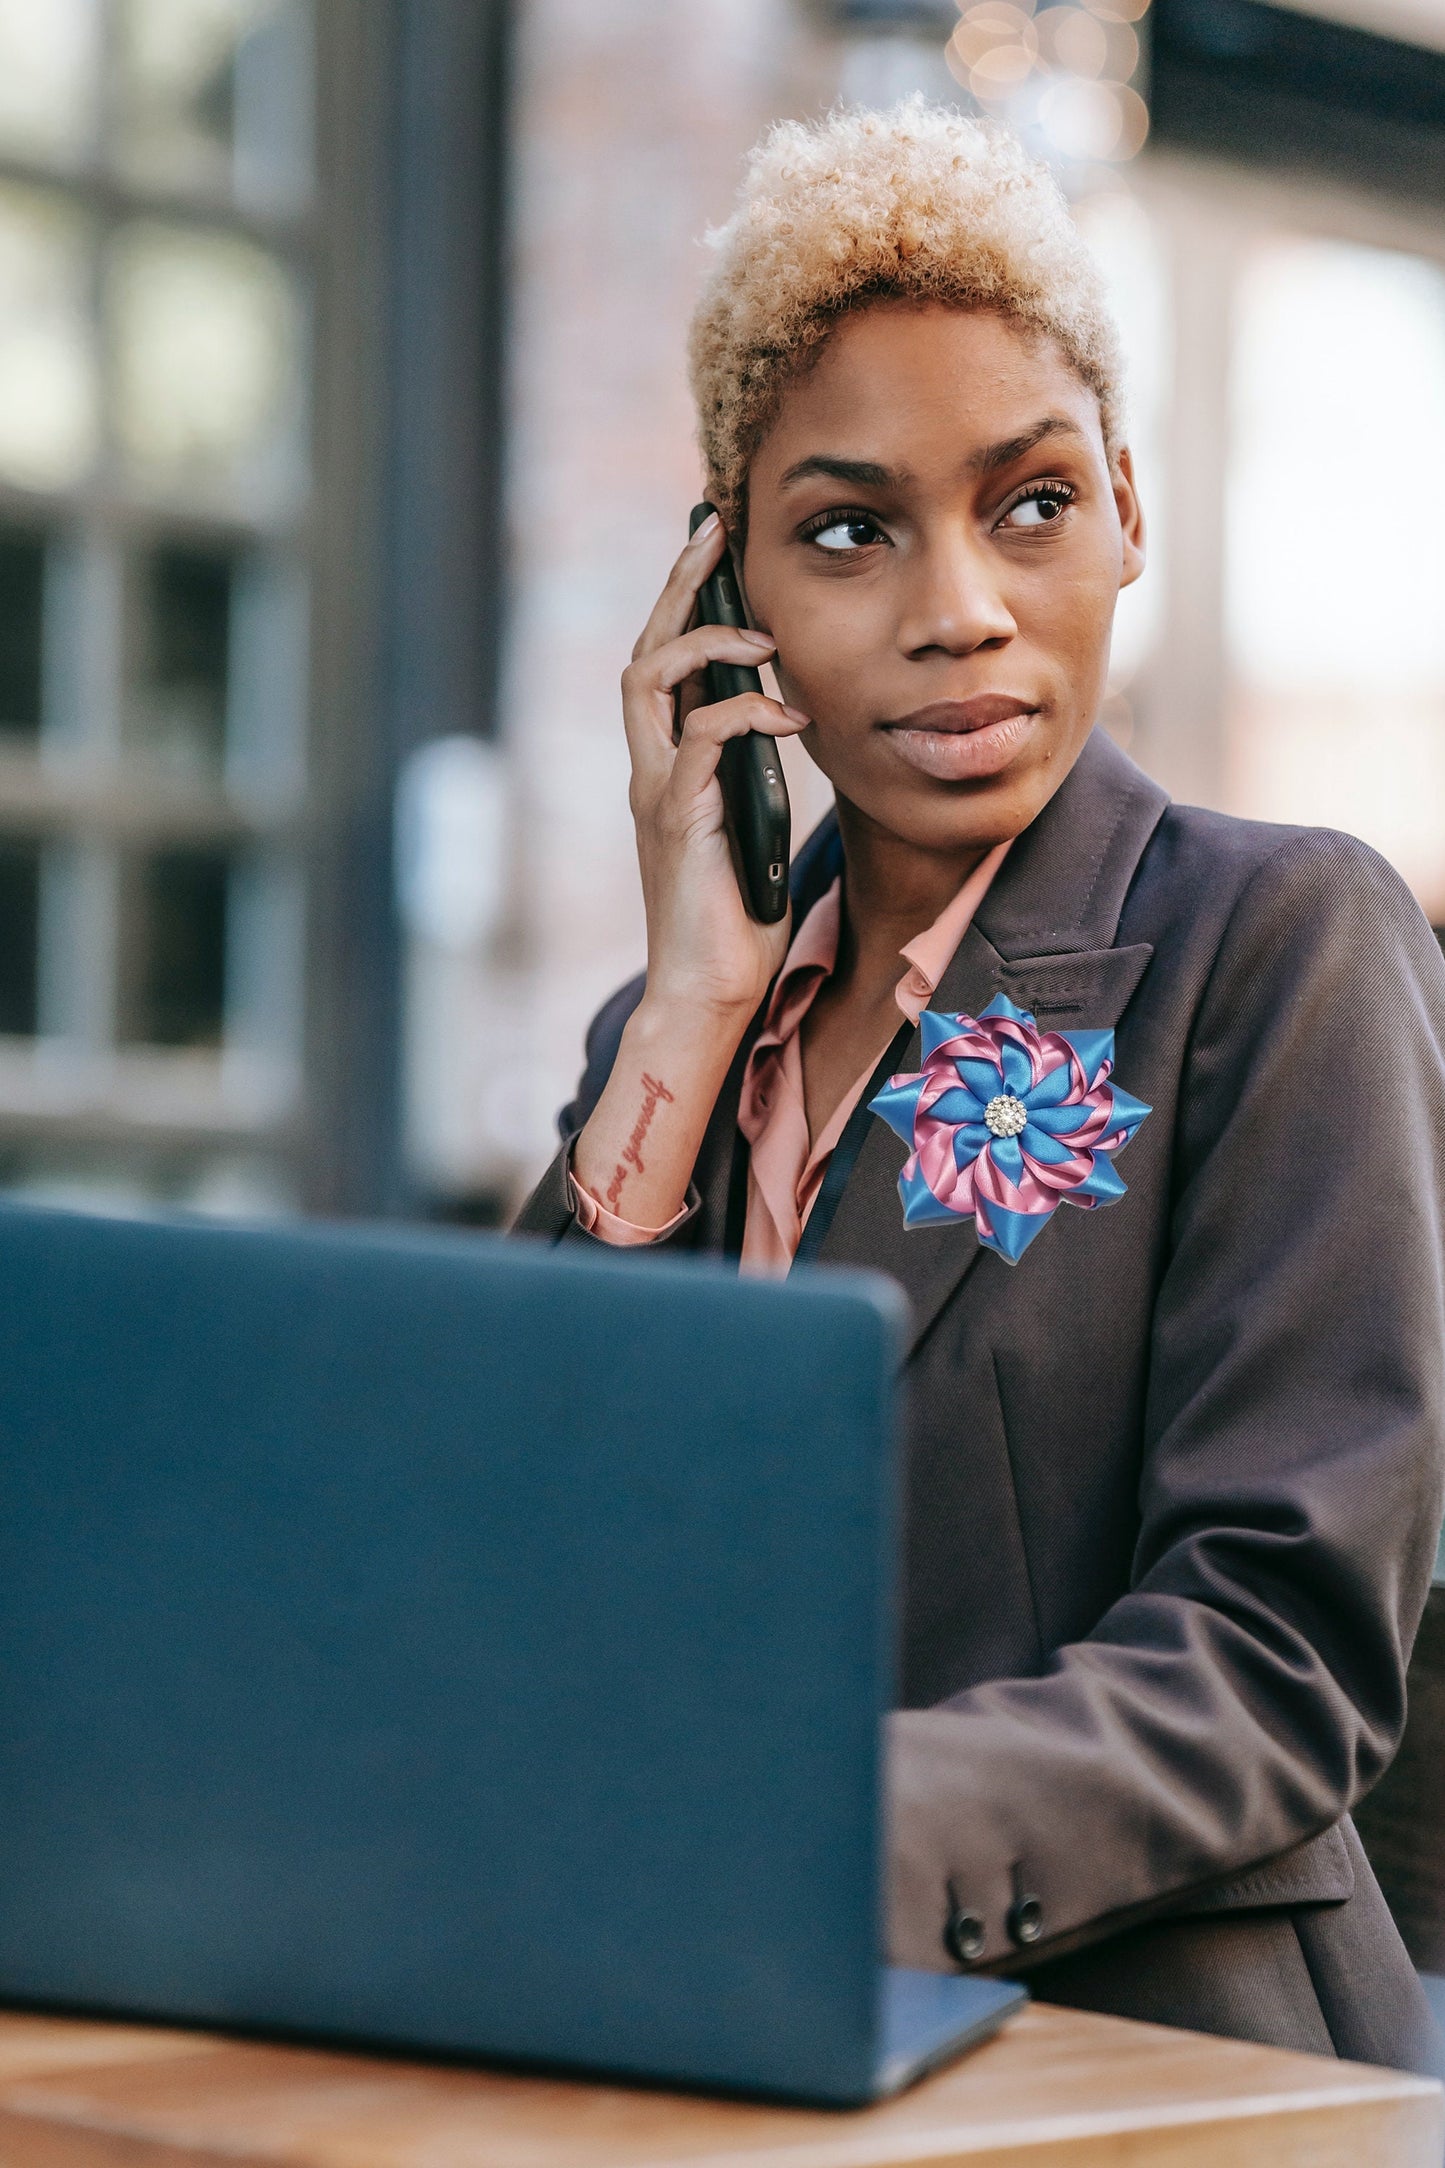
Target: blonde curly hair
[917,204]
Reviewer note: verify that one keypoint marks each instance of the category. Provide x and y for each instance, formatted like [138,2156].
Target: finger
[649,712]
[692,692]
[723,719]
[695,691]
[708,729]
[674,606]
[690,652]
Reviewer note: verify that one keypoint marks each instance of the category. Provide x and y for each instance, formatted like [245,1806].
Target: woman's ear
[1131,517]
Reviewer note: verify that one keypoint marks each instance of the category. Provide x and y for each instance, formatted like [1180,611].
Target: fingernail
[699,534]
[759,639]
[797,715]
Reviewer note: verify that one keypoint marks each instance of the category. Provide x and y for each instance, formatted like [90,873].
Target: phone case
[755,795]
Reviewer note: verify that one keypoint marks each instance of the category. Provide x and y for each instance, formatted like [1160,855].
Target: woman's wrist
[700,1034]
[635,1157]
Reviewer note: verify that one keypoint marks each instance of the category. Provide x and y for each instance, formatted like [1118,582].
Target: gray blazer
[1174,1481]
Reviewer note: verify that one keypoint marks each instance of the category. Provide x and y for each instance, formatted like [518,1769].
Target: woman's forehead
[903,386]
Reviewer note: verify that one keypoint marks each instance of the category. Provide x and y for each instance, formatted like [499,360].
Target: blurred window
[211,96]
[1334,561]
[174,993]
[204,361]
[49,78]
[181,656]
[157,245]
[133,1178]
[1286,343]
[19,920]
[48,381]
[22,590]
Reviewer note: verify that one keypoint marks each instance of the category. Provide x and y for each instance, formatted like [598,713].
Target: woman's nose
[953,602]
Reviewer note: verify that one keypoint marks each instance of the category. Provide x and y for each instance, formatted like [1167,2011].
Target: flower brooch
[1003,1122]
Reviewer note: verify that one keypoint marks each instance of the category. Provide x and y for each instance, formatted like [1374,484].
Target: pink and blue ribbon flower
[1004,1122]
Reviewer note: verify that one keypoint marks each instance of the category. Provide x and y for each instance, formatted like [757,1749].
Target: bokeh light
[1081,42]
[1060,74]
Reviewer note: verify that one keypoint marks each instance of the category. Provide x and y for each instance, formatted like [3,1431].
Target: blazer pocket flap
[1317,1872]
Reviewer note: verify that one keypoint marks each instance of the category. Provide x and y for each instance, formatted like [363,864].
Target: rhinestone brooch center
[1005,1116]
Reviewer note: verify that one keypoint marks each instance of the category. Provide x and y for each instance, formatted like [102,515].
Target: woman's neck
[894,891]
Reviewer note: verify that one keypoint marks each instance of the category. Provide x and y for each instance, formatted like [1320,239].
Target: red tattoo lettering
[653,1090]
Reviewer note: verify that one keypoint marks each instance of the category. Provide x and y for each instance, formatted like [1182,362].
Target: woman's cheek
[803,675]
[825,659]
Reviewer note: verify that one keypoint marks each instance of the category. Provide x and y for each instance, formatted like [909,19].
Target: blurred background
[344,443]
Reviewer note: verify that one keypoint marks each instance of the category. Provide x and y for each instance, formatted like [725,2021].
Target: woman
[1174,1467]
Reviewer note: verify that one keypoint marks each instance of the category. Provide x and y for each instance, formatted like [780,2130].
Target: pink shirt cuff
[595,1219]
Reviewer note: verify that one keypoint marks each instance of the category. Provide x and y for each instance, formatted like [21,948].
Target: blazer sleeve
[1250,1686]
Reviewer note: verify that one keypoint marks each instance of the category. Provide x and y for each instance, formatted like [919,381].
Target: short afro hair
[919,204]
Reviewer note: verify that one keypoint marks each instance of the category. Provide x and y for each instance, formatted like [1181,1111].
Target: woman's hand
[708,962]
[705,955]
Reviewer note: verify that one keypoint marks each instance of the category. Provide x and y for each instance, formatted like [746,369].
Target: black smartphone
[755,796]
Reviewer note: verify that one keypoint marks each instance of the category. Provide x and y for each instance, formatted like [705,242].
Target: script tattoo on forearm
[653,1090]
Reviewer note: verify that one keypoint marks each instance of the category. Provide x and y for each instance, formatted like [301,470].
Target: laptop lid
[447,1644]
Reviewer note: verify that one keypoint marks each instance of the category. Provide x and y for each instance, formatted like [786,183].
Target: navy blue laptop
[447,1645]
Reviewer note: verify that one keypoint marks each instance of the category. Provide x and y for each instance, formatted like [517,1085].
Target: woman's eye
[1040,510]
[845,534]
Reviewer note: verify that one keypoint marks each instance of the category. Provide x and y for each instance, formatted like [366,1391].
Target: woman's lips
[956,740]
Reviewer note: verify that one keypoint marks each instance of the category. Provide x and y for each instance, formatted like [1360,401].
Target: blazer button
[964,1936]
[1025,1921]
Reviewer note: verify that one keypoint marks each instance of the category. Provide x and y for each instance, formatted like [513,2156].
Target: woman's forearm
[636,1154]
[708,962]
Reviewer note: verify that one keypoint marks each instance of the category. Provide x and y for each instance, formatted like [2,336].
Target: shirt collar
[813,951]
[929,954]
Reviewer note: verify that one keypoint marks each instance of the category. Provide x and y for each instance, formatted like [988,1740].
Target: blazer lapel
[1044,935]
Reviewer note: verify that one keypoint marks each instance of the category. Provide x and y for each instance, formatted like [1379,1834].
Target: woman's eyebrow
[862,473]
[994,456]
[868,474]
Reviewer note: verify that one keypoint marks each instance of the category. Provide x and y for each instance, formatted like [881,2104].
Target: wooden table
[1057,2087]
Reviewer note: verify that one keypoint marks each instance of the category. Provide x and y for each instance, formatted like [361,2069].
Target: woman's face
[936,543]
